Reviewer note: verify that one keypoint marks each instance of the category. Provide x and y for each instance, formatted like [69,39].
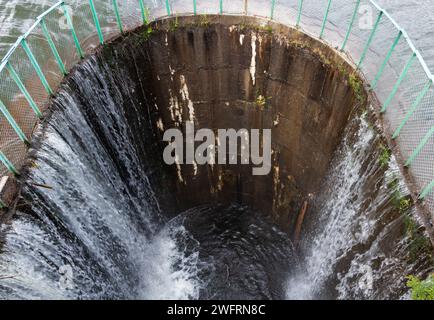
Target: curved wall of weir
[242,72]
[227,74]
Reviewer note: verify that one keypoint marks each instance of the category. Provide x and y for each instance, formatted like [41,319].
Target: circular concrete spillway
[224,73]
[122,223]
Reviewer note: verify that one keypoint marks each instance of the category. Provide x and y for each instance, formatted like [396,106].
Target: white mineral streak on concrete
[178,168]
[242,39]
[186,97]
[253,62]
[160,125]
[172,72]
[220,182]
[212,160]
[175,110]
[276,121]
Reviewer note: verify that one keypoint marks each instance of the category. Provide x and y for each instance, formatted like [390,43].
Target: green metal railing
[383,53]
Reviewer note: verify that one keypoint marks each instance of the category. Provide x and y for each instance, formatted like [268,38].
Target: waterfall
[94,216]
[90,226]
[357,243]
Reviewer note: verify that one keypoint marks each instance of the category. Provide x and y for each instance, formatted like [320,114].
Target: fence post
[118,17]
[8,164]
[350,27]
[144,12]
[53,48]
[168,8]
[300,8]
[414,107]
[194,7]
[427,191]
[36,66]
[221,6]
[96,21]
[386,60]
[23,89]
[273,5]
[371,37]
[398,83]
[13,123]
[325,19]
[420,147]
[74,35]
[245,6]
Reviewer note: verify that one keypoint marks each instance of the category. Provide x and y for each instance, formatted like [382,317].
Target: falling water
[99,220]
[89,224]
[357,248]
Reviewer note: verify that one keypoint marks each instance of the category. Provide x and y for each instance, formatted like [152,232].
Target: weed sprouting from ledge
[357,85]
[385,156]
[421,290]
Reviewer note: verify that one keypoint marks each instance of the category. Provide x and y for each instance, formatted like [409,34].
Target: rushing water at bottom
[357,247]
[89,224]
[82,241]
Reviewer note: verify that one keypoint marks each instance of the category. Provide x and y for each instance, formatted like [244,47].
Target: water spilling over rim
[109,197]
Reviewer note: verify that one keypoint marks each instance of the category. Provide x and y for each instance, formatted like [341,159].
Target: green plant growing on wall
[405,205]
[385,156]
[342,70]
[421,290]
[357,85]
[402,203]
[265,28]
[261,101]
[410,226]
[418,244]
[147,33]
[174,24]
[204,21]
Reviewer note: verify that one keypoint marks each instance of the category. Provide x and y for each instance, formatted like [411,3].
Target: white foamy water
[338,215]
[348,219]
[173,274]
[95,220]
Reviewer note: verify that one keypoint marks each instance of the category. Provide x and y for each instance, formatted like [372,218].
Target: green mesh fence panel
[131,14]
[338,20]
[43,54]
[235,7]
[202,7]
[312,16]
[285,12]
[62,37]
[186,7]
